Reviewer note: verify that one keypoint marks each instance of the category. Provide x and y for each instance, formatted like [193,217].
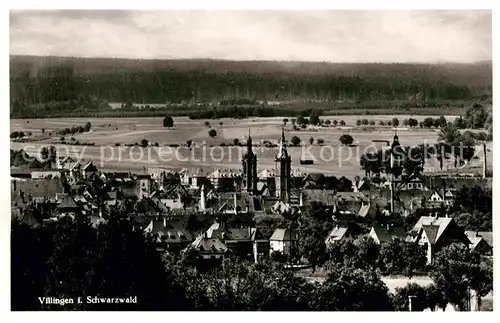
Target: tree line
[69,259]
[79,87]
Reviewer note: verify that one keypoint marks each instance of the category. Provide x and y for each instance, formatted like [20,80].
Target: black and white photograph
[251,160]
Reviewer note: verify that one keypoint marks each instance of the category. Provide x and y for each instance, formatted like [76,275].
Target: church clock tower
[283,170]
[249,162]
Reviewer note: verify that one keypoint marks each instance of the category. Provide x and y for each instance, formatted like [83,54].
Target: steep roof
[40,188]
[486,235]
[336,234]
[213,245]
[285,235]
[431,231]
[385,234]
[433,226]
[68,203]
[236,234]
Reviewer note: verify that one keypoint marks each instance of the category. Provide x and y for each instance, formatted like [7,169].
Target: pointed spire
[249,140]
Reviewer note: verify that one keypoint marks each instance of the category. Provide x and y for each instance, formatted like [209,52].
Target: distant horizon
[255,60]
[334,36]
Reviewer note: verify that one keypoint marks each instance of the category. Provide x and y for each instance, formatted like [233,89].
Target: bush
[358,122]
[168,122]
[212,133]
[295,141]
[342,123]
[320,141]
[346,139]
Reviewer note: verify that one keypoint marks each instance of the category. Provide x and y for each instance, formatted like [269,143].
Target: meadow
[206,152]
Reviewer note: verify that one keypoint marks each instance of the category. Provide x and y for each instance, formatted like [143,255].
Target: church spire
[249,140]
[282,153]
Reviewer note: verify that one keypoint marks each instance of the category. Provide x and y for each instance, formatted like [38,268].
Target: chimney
[235,199]
[484,160]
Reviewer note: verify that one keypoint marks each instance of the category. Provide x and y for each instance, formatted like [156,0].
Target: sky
[333,36]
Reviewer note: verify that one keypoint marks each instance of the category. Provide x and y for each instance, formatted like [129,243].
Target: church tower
[249,162]
[283,170]
[396,158]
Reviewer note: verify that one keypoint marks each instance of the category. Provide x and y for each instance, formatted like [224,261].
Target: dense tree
[346,139]
[212,133]
[476,116]
[168,122]
[428,122]
[320,141]
[456,270]
[412,122]
[358,122]
[342,123]
[395,122]
[311,141]
[295,141]
[418,294]
[348,289]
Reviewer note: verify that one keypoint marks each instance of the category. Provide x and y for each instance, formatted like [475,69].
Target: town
[251,160]
[398,224]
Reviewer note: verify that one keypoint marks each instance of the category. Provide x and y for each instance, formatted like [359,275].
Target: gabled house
[238,240]
[435,233]
[210,249]
[337,235]
[89,169]
[68,207]
[176,197]
[285,241]
[169,235]
[382,234]
[481,241]
[437,199]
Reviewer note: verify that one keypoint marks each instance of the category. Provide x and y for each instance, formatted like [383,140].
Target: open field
[331,158]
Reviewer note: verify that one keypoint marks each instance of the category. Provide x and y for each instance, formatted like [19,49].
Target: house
[20,172]
[144,184]
[339,234]
[35,190]
[88,169]
[210,249]
[68,207]
[435,233]
[436,199]
[45,174]
[64,162]
[175,197]
[481,241]
[285,241]
[169,235]
[383,234]
[260,244]
[238,240]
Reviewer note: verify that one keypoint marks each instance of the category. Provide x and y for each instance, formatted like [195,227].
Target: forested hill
[39,80]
